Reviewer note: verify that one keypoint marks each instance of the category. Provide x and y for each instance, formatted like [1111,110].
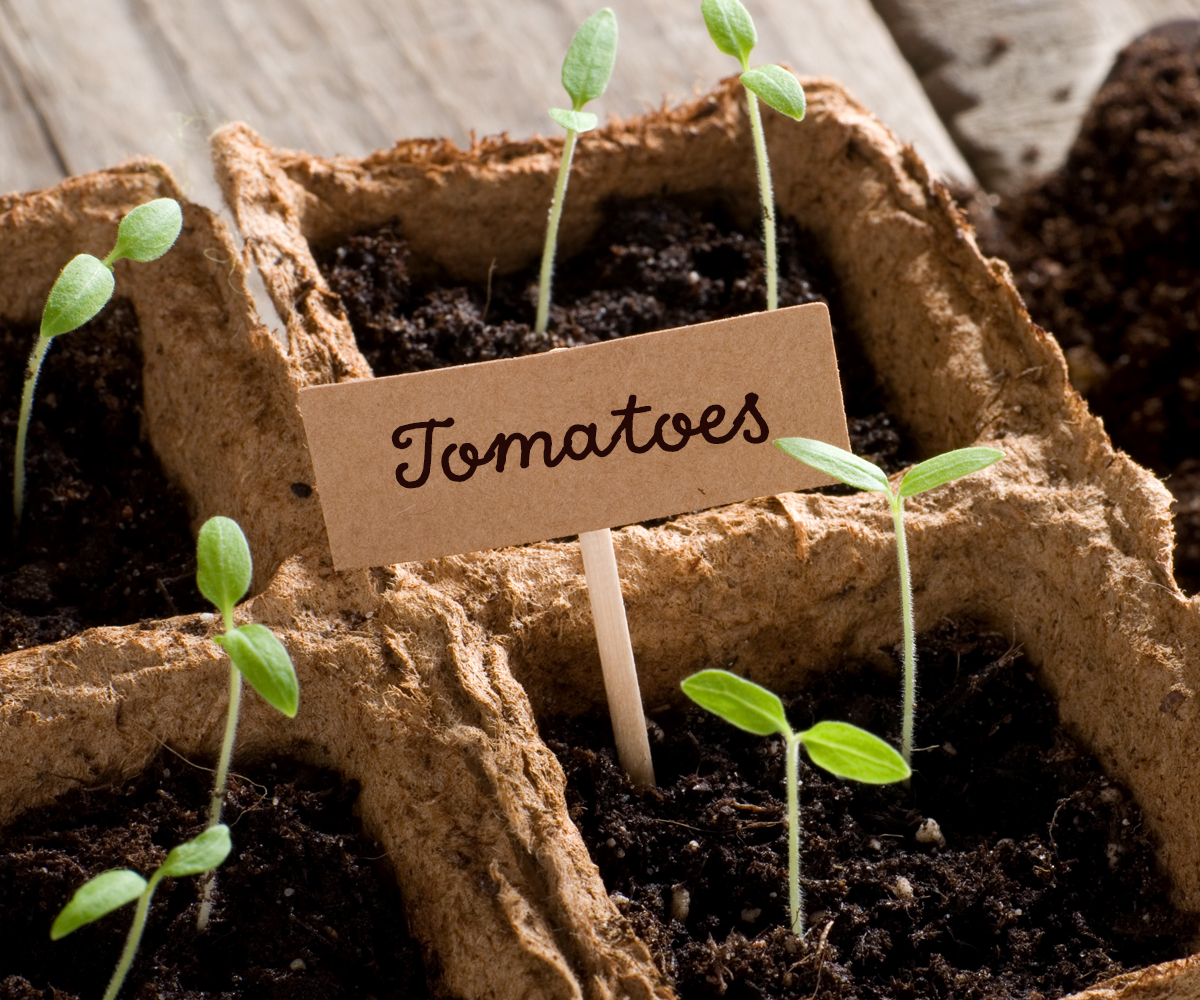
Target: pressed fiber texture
[417,708]
[424,682]
[1066,544]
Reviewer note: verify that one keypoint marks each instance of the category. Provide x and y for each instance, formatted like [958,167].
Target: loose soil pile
[1043,884]
[105,538]
[1106,253]
[304,908]
[654,265]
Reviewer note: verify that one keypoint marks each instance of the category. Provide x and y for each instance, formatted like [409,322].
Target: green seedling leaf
[947,467]
[200,854]
[842,465]
[95,898]
[149,231]
[730,27]
[777,88]
[265,663]
[81,290]
[576,121]
[590,59]
[849,752]
[740,702]
[223,566]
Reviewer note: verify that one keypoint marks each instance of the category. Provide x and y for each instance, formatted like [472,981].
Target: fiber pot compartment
[1066,543]
[399,691]
[219,408]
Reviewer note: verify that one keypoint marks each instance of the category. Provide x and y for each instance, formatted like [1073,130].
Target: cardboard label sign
[504,452]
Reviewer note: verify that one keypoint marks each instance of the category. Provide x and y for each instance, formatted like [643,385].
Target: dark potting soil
[302,909]
[104,539]
[1044,883]
[1106,253]
[654,264]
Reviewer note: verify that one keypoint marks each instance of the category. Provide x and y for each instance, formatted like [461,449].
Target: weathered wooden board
[1012,78]
[84,85]
[97,86]
[26,150]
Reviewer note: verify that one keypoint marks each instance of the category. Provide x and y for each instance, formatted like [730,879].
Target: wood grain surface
[84,85]
[1012,78]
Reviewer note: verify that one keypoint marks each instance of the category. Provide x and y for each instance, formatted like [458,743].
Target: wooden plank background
[993,88]
[83,85]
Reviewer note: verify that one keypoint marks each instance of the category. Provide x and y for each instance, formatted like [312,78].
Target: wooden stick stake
[616,656]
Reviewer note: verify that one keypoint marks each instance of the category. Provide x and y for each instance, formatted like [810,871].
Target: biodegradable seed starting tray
[424,681]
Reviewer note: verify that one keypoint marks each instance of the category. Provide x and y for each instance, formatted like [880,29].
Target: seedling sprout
[843,750]
[862,475]
[112,890]
[223,572]
[585,74]
[732,30]
[81,290]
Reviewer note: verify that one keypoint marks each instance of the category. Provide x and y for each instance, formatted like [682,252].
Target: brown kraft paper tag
[481,456]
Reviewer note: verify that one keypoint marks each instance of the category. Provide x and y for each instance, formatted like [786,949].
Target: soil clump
[105,537]
[303,909]
[1037,879]
[1106,254]
[654,264]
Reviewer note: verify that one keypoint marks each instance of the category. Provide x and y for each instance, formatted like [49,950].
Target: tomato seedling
[843,750]
[585,74]
[223,572]
[862,475]
[81,290]
[732,31]
[112,890]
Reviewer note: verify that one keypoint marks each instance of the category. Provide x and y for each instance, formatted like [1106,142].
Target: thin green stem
[132,940]
[231,721]
[32,369]
[910,645]
[795,900]
[560,193]
[222,777]
[768,200]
